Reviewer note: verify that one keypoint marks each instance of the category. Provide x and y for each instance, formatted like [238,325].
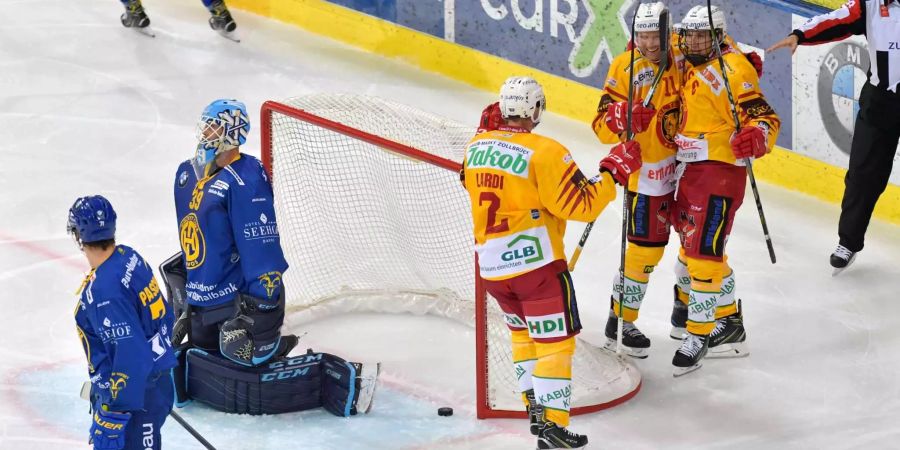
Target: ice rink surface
[90,107]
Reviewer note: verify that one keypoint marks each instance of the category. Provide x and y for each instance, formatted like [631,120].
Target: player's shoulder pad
[547,147]
[739,65]
[184,174]
[115,275]
[247,171]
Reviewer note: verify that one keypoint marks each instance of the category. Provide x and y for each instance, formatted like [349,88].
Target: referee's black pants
[872,152]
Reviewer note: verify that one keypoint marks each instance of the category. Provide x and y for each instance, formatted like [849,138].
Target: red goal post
[347,169]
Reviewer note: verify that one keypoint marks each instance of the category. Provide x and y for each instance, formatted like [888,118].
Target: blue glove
[108,429]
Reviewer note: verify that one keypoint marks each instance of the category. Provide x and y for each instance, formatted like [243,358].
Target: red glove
[491,119]
[623,160]
[750,141]
[757,62]
[616,117]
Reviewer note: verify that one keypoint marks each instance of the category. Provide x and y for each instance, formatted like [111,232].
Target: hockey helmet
[522,97]
[223,125]
[92,219]
[697,19]
[647,18]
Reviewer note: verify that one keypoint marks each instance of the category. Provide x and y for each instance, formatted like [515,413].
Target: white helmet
[698,19]
[648,17]
[522,97]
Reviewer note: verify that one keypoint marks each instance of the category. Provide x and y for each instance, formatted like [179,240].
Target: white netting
[367,229]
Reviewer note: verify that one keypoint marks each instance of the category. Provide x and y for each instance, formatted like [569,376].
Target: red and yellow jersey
[657,175]
[707,122]
[523,187]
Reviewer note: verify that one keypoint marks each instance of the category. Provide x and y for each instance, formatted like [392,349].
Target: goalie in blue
[227,287]
[123,322]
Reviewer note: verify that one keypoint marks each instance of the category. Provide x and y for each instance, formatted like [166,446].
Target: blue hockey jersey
[228,233]
[125,326]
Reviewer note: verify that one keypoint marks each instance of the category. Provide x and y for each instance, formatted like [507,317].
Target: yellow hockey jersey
[657,174]
[707,123]
[523,187]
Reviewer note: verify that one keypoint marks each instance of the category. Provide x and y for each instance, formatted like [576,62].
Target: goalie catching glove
[623,160]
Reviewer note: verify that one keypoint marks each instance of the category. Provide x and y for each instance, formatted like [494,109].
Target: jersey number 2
[492,225]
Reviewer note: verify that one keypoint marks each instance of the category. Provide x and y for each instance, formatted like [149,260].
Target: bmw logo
[841,77]
[182,178]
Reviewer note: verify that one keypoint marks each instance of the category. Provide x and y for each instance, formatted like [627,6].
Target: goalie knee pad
[253,337]
[291,384]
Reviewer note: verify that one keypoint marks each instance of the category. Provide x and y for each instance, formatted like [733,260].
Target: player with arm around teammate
[651,189]
[124,324]
[711,153]
[523,188]
[229,275]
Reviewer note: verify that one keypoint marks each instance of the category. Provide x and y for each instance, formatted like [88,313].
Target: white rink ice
[89,107]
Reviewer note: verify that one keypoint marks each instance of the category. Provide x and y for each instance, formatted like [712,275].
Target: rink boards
[567,45]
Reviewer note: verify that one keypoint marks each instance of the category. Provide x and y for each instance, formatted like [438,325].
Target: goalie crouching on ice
[226,285]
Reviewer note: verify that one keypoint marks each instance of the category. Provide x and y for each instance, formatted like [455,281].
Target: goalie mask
[91,219]
[224,125]
[522,97]
[696,40]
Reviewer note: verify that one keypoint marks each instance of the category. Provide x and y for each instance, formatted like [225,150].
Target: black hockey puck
[445,411]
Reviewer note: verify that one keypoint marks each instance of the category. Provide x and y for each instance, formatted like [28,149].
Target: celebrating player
[713,177]
[230,275]
[523,188]
[123,322]
[650,190]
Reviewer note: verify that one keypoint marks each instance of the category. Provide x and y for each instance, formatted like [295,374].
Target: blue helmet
[223,125]
[92,219]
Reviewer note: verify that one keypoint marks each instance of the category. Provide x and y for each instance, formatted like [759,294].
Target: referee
[877,128]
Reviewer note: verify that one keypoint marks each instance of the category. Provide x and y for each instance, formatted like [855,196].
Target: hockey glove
[108,429]
[757,62]
[617,115]
[623,160]
[491,119]
[749,142]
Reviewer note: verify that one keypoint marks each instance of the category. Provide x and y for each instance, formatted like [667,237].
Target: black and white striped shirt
[879,20]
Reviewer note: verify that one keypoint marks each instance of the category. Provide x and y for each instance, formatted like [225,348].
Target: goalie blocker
[284,384]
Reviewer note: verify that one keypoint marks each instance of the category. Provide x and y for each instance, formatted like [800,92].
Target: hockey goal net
[373,218]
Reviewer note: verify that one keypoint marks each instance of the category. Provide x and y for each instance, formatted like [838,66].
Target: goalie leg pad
[293,384]
[347,387]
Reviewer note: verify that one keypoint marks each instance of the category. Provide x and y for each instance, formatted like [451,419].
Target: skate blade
[838,270]
[146,31]
[367,390]
[678,333]
[681,371]
[232,36]
[634,352]
[735,350]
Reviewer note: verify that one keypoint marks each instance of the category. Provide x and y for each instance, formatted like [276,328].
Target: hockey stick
[625,209]
[737,125]
[86,395]
[663,66]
